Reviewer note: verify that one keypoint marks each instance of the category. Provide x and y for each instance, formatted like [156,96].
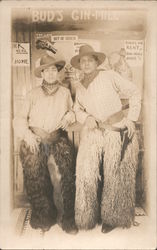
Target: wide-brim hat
[47,61]
[86,50]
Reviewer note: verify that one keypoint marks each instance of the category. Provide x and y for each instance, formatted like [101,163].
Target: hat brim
[59,64]
[75,61]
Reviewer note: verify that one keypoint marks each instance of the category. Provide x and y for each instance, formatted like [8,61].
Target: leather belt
[108,124]
[45,136]
[117,117]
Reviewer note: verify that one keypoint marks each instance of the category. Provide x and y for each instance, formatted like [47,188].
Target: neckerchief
[50,89]
[88,78]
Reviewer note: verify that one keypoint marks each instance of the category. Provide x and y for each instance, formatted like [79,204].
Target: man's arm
[69,116]
[131,92]
[20,121]
[21,128]
[82,116]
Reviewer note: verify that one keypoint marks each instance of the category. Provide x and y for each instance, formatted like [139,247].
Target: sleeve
[20,121]
[130,91]
[81,114]
[70,115]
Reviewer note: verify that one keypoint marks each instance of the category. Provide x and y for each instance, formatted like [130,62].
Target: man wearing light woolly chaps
[108,152]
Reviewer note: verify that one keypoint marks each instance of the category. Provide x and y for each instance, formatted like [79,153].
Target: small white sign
[64,38]
[21,54]
[134,52]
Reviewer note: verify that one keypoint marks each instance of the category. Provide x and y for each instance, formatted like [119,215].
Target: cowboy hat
[47,61]
[86,50]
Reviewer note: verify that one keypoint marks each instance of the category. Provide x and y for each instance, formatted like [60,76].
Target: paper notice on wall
[134,52]
[64,38]
[21,54]
[94,43]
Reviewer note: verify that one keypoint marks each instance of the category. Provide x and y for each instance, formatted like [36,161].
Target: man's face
[88,64]
[50,74]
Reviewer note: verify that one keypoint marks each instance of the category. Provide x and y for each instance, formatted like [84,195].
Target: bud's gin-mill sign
[21,54]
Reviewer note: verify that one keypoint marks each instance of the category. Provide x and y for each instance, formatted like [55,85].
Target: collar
[88,78]
[50,89]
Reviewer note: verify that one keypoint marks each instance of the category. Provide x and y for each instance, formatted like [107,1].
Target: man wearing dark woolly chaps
[46,152]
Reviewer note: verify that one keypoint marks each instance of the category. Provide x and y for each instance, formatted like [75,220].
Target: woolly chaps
[105,185]
[49,178]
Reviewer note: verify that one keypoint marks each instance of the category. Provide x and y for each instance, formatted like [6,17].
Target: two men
[105,175]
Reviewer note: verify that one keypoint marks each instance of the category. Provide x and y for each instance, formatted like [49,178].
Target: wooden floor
[137,237]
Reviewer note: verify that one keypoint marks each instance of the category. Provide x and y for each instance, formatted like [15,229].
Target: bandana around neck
[88,78]
[50,89]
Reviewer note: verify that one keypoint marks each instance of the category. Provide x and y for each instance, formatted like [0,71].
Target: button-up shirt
[102,97]
[44,111]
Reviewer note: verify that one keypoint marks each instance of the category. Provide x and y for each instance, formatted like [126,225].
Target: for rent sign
[134,52]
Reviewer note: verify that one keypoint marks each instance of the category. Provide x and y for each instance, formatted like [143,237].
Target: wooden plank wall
[21,84]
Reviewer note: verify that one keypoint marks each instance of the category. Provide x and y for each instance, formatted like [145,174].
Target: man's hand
[126,123]
[32,141]
[64,123]
[90,122]
[131,128]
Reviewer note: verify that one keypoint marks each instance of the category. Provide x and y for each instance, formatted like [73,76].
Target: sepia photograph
[78,124]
